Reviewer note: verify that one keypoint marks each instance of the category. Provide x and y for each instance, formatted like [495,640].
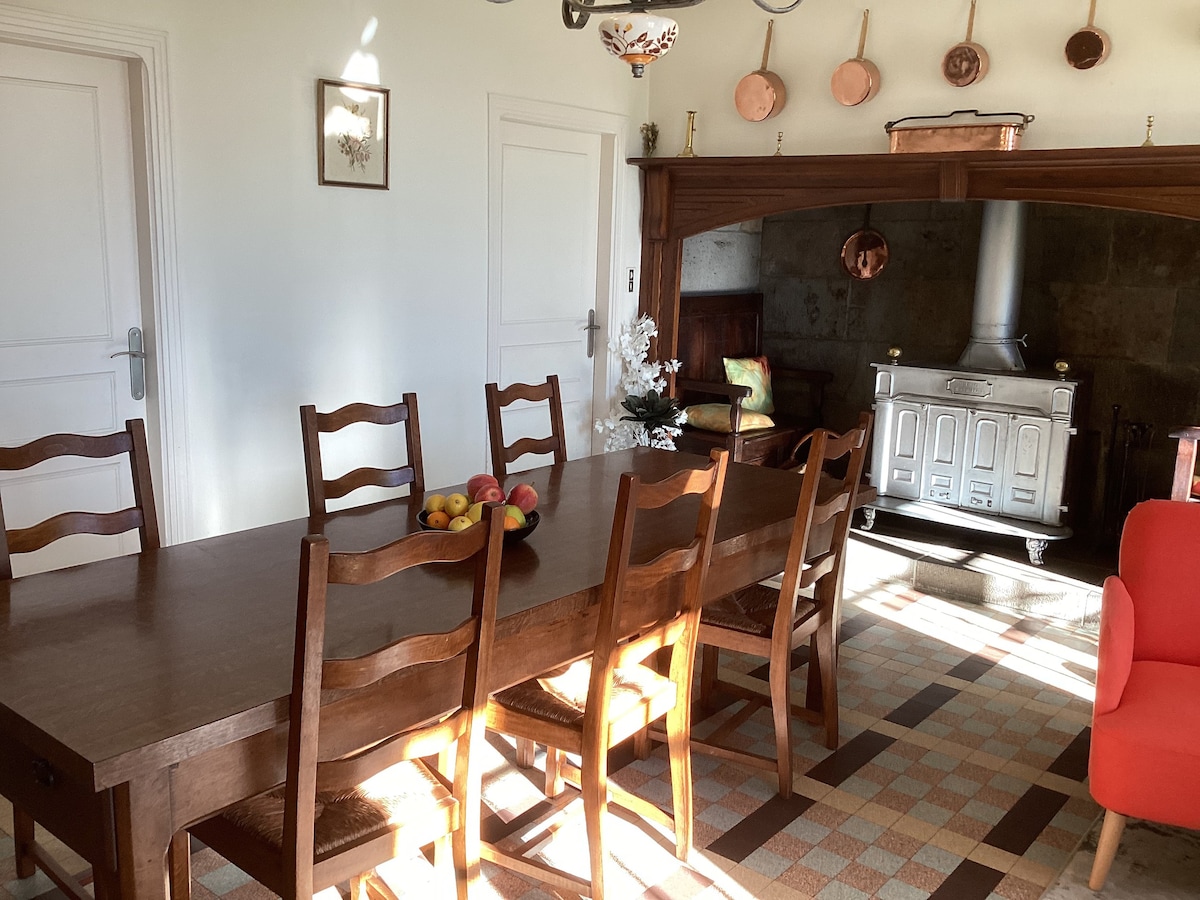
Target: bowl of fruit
[457,511]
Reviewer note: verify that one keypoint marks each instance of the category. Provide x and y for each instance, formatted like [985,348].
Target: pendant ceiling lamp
[633,30]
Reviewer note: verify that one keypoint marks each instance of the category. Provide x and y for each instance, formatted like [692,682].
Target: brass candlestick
[779,144]
[1149,141]
[687,151]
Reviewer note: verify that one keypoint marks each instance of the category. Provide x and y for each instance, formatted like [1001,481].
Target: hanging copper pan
[1089,46]
[856,80]
[761,95]
[865,253]
[967,62]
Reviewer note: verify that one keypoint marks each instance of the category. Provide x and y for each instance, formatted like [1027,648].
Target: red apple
[490,493]
[523,496]
[475,482]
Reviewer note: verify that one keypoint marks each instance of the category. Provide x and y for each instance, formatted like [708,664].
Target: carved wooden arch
[684,197]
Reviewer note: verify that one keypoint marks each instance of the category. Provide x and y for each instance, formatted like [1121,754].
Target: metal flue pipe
[994,340]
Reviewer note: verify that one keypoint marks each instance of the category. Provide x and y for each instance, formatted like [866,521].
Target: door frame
[144,52]
[614,175]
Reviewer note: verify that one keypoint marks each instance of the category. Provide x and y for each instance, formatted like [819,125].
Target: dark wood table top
[144,660]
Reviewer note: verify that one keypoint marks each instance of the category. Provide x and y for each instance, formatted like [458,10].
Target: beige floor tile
[1000,860]
[880,815]
[843,800]
[958,844]
[914,828]
[810,787]
[1034,871]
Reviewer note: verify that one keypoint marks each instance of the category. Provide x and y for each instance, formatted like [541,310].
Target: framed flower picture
[352,134]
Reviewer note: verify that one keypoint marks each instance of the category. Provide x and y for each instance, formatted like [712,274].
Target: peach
[475,482]
[490,493]
[525,497]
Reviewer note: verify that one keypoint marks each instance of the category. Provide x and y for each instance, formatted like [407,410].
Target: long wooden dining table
[141,694]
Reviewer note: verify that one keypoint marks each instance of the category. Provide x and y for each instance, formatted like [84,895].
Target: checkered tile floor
[960,775]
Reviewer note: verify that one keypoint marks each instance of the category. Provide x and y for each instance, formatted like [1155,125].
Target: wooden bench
[713,326]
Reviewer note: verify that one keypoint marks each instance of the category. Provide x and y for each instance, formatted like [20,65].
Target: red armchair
[1145,750]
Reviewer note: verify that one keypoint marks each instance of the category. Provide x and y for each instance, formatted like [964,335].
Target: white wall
[1151,70]
[294,293]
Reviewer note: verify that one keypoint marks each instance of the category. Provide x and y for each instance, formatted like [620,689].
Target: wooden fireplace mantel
[684,197]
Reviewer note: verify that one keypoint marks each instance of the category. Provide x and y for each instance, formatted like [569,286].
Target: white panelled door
[69,285]
[546,210]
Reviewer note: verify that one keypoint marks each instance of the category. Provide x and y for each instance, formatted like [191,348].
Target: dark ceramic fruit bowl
[510,537]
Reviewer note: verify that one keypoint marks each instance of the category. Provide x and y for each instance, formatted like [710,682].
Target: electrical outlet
[632,273]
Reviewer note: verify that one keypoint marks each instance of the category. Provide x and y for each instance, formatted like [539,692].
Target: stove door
[983,478]
[945,445]
[900,448]
[1027,464]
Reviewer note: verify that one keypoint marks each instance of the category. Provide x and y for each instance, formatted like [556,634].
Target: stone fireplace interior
[1115,292]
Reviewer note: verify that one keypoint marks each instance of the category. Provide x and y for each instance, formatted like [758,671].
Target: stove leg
[1035,547]
[869,512]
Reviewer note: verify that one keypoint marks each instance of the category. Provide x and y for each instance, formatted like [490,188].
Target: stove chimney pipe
[993,343]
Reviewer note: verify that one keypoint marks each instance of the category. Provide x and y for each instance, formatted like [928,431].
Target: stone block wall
[1116,294]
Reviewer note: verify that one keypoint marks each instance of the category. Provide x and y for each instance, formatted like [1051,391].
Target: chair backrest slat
[497,399]
[142,515]
[313,424]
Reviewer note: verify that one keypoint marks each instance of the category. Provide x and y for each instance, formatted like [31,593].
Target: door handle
[591,328]
[137,366]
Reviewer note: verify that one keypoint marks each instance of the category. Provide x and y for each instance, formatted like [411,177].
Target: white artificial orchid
[638,378]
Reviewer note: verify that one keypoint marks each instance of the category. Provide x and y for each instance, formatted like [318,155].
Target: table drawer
[69,810]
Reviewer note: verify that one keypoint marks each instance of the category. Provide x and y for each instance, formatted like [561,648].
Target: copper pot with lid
[967,62]
[1089,46]
[761,95]
[856,80]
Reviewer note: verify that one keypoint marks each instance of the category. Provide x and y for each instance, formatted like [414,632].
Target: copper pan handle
[971,22]
[767,44]
[1092,15]
[862,35]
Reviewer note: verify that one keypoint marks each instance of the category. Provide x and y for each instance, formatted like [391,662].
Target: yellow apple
[435,503]
[458,523]
[456,505]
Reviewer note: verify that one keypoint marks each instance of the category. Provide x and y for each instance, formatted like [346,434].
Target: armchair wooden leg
[1106,848]
[23,837]
[642,744]
[525,751]
[781,711]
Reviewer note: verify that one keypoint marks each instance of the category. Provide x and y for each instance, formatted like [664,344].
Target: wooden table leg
[143,834]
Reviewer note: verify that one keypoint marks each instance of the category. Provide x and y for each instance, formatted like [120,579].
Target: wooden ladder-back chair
[141,516]
[763,621]
[357,789]
[313,424]
[645,607]
[498,398]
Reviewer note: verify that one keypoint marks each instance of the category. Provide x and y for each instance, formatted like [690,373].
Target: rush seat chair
[1145,748]
[30,855]
[498,398]
[313,424]
[595,704]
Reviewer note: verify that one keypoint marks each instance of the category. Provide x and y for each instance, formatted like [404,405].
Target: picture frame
[352,134]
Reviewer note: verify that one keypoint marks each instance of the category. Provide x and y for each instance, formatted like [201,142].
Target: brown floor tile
[895,800]
[900,844]
[969,827]
[787,846]
[920,876]
[740,803]
[826,815]
[803,879]
[946,799]
[682,885]
[877,774]
[862,877]
[1013,888]
[843,845]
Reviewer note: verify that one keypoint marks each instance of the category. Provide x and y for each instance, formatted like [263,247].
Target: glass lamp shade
[638,38]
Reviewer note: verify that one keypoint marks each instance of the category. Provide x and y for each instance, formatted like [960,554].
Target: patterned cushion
[715,417]
[753,372]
